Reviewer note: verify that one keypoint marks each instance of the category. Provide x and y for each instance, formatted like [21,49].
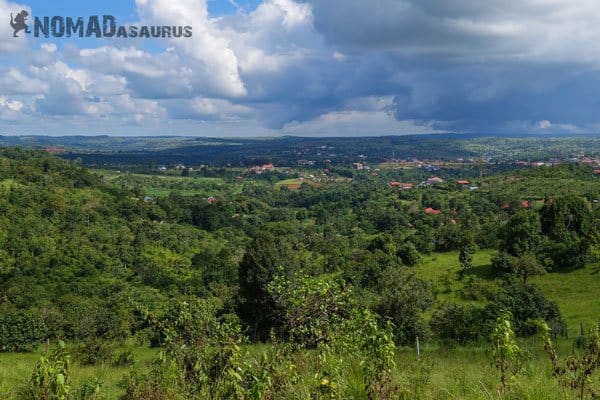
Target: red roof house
[401,185]
[432,211]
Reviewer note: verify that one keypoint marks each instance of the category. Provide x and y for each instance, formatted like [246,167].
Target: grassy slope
[577,292]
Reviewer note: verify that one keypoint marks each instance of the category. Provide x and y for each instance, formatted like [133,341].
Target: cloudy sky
[308,67]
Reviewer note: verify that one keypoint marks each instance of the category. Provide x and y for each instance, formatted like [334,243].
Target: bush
[502,262]
[125,358]
[93,351]
[50,379]
[21,331]
[408,253]
[403,298]
[89,390]
[457,323]
[526,303]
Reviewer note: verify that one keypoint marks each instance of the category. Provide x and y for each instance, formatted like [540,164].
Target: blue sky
[308,67]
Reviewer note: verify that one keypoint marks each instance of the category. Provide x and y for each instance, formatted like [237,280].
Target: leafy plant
[575,372]
[50,379]
[506,354]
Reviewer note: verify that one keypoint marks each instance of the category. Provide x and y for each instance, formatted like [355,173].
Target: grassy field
[576,292]
[442,373]
[16,369]
[294,183]
[163,185]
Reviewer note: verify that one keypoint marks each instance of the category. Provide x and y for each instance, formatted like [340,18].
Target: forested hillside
[252,290]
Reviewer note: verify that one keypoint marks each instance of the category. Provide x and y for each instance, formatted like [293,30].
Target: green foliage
[526,304]
[367,345]
[311,307]
[50,380]
[526,266]
[408,253]
[506,354]
[458,323]
[322,271]
[125,358]
[521,234]
[402,299]
[261,262]
[577,371]
[566,221]
[466,250]
[90,389]
[21,330]
[93,351]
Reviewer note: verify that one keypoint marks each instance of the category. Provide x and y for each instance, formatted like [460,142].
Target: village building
[402,185]
[434,181]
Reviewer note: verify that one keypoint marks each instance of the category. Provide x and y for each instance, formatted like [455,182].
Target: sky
[307,68]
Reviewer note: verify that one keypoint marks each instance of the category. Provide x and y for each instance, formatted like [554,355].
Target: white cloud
[10,110]
[322,67]
[213,60]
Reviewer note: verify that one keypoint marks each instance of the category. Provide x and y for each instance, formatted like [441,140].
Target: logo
[93,26]
[18,23]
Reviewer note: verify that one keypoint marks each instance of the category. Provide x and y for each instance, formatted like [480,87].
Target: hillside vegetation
[227,285]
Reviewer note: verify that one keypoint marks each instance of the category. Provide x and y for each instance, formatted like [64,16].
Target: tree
[527,266]
[566,221]
[261,262]
[460,323]
[311,307]
[20,330]
[525,303]
[521,234]
[564,214]
[402,300]
[467,249]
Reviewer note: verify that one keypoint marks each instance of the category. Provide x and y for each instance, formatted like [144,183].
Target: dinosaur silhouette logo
[18,23]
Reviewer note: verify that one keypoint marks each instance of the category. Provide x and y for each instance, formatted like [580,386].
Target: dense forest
[249,290]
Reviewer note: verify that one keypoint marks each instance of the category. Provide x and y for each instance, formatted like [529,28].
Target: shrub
[407,252]
[93,351]
[457,323]
[123,359]
[21,331]
[50,379]
[311,307]
[403,298]
[89,390]
[526,303]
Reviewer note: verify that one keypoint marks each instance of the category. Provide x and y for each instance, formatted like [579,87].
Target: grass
[576,292]
[163,185]
[440,373]
[16,369]
[445,373]
[293,182]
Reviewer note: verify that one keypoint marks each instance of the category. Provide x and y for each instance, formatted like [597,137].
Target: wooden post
[418,350]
